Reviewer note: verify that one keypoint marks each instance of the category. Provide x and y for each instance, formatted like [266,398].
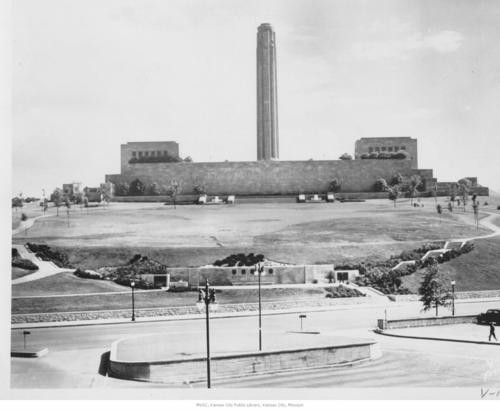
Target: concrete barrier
[238,365]
[424,321]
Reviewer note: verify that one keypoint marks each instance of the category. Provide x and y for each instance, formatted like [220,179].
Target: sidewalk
[462,333]
[45,268]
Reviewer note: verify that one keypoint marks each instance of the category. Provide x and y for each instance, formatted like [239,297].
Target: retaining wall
[266,177]
[237,365]
[428,321]
[184,310]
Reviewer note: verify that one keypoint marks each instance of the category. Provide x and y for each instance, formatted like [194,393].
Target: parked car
[491,315]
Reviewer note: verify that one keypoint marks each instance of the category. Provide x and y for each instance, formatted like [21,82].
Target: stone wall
[426,321]
[242,364]
[266,177]
[221,276]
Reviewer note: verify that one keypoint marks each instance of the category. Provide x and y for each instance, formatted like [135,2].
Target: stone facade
[388,145]
[266,177]
[147,149]
[267,94]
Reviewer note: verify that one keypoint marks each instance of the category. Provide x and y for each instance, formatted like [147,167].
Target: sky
[89,75]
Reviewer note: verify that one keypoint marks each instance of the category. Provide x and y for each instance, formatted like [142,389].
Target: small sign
[25,332]
[302,316]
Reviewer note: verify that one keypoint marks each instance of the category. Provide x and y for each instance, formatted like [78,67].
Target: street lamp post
[259,269]
[132,285]
[453,298]
[205,298]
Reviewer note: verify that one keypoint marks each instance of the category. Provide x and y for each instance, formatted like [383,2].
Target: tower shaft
[267,97]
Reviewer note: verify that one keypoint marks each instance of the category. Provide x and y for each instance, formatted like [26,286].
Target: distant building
[388,145]
[148,151]
[72,190]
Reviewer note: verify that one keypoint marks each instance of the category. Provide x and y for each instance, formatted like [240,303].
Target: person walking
[492,332]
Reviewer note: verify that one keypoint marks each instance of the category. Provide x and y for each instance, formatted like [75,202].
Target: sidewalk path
[27,224]
[44,268]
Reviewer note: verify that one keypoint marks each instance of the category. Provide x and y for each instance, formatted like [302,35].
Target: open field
[296,233]
[19,273]
[147,299]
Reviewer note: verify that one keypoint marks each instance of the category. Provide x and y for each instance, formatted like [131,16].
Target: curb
[439,339]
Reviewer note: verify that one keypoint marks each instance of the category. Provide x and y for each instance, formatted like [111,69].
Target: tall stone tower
[267,97]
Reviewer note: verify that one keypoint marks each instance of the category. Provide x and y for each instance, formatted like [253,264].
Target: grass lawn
[152,299]
[19,273]
[63,284]
[476,270]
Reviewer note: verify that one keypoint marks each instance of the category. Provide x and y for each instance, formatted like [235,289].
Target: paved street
[75,352]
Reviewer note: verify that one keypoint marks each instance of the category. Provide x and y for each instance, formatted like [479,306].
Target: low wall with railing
[424,321]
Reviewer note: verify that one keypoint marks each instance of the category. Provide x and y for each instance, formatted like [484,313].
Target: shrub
[335,185]
[158,159]
[139,283]
[15,253]
[24,217]
[373,155]
[86,275]
[342,292]
[240,259]
[384,155]
[137,187]
[364,156]
[346,157]
[381,185]
[23,264]
[46,254]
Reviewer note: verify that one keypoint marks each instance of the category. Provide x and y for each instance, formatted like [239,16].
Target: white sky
[89,75]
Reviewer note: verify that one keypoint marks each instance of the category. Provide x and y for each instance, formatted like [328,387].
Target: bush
[381,185]
[137,188]
[139,283]
[342,292]
[159,159]
[86,275]
[24,217]
[15,253]
[346,157]
[23,264]
[46,254]
[240,259]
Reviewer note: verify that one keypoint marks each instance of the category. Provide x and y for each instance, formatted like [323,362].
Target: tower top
[265,26]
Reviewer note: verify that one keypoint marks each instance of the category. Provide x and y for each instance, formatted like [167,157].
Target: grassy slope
[157,299]
[19,273]
[64,283]
[477,270]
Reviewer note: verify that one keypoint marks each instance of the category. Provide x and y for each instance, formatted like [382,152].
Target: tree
[394,192]
[188,159]
[335,185]
[57,197]
[137,187]
[414,183]
[432,291]
[464,186]
[346,157]
[106,192]
[67,204]
[173,190]
[17,203]
[397,179]
[439,210]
